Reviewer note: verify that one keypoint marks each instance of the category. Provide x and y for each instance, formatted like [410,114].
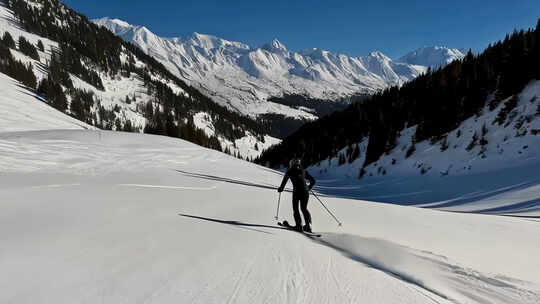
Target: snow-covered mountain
[432,56]
[491,162]
[243,77]
[123,94]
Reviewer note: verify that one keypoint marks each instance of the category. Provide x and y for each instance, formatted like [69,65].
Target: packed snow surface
[93,216]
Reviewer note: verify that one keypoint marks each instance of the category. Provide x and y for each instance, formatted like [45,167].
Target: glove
[279,189]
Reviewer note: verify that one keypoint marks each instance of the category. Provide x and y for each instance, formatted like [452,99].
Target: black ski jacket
[298,178]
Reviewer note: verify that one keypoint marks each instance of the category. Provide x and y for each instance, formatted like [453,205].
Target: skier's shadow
[242,225]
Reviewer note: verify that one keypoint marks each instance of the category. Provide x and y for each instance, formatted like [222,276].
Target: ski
[286,225]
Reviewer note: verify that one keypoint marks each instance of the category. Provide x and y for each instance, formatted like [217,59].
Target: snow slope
[99,216]
[21,110]
[496,175]
[243,77]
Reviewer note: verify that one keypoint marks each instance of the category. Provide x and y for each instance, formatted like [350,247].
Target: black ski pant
[301,200]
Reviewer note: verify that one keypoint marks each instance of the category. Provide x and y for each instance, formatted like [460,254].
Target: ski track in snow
[100,215]
[167,187]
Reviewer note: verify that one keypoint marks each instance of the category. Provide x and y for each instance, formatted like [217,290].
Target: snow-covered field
[91,216]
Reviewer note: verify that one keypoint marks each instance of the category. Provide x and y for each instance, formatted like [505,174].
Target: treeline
[74,30]
[81,41]
[436,102]
[320,107]
[281,126]
[162,122]
[28,48]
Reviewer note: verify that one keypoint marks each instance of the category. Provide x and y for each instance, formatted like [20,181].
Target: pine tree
[42,87]
[355,154]
[536,50]
[56,96]
[128,127]
[8,41]
[472,144]
[27,48]
[40,46]
[341,159]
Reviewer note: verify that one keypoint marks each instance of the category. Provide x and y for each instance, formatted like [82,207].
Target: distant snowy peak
[140,35]
[117,26]
[274,46]
[379,56]
[207,42]
[432,56]
[243,77]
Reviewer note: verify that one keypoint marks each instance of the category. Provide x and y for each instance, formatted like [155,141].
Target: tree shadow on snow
[234,223]
[226,180]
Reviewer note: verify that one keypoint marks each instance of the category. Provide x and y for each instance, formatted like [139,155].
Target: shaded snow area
[110,217]
[244,77]
[495,173]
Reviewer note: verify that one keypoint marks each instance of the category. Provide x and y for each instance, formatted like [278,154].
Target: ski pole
[335,218]
[279,200]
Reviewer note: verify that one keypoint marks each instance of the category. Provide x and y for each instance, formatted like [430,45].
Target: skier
[300,192]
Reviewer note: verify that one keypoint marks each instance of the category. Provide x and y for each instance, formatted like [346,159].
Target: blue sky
[351,27]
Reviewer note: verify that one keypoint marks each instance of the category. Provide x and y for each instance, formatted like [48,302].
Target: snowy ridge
[482,166]
[433,56]
[243,77]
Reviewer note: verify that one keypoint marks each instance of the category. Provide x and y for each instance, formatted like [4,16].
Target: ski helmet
[293,162]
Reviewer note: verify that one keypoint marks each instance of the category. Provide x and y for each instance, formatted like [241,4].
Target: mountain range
[244,77]
[89,73]
[251,96]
